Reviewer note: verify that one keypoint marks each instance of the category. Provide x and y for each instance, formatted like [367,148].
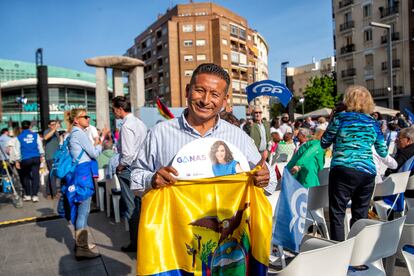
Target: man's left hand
[261,178]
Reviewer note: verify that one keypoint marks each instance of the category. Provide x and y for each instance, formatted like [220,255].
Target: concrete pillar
[137,89]
[102,102]
[117,81]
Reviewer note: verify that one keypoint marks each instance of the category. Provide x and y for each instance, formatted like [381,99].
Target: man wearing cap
[285,127]
[260,131]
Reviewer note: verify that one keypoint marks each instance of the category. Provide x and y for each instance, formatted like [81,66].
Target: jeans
[51,184]
[30,175]
[83,214]
[132,204]
[348,184]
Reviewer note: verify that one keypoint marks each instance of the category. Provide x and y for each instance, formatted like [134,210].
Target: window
[188,58]
[187,28]
[188,43]
[347,17]
[188,73]
[242,59]
[201,57]
[200,27]
[235,57]
[75,96]
[225,56]
[236,85]
[368,35]
[370,84]
[242,34]
[224,41]
[366,10]
[234,30]
[369,61]
[200,42]
[391,3]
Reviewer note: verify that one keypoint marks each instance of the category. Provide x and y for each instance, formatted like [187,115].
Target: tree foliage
[320,93]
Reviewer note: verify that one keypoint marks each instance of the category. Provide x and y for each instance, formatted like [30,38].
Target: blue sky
[70,31]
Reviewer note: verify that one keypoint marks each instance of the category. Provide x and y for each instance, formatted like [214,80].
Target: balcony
[347,25]
[383,92]
[350,72]
[394,36]
[385,12]
[348,49]
[343,4]
[396,64]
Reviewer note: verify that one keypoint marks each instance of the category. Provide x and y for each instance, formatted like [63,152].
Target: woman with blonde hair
[79,185]
[352,175]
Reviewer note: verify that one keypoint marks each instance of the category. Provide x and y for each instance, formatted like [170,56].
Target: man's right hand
[163,177]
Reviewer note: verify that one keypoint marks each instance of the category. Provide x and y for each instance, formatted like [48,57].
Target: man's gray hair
[408,132]
[305,132]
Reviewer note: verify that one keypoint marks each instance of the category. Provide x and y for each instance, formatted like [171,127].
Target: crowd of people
[353,138]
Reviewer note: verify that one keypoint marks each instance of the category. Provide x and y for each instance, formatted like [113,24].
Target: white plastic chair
[101,189]
[409,260]
[395,183]
[374,240]
[407,235]
[318,199]
[320,258]
[116,196]
[410,186]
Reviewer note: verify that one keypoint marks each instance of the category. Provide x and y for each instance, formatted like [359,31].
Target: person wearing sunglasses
[79,186]
[260,131]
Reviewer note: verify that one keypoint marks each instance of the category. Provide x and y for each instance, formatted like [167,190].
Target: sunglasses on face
[258,112]
[85,117]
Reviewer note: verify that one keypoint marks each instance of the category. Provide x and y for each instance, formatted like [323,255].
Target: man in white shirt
[132,134]
[285,127]
[93,134]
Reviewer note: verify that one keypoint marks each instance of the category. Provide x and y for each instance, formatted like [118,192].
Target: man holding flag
[206,96]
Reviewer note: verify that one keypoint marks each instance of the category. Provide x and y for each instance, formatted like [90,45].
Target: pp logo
[299,209]
[71,188]
[267,88]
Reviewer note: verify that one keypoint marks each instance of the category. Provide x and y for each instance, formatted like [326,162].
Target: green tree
[275,110]
[320,93]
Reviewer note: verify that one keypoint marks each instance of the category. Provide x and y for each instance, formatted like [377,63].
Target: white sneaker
[27,198]
[35,198]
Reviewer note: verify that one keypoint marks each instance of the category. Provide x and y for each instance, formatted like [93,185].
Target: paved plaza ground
[45,246]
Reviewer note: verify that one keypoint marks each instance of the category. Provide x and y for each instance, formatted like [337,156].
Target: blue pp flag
[269,88]
[410,115]
[291,212]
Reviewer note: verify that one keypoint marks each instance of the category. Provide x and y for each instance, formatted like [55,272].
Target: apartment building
[302,75]
[361,50]
[190,34]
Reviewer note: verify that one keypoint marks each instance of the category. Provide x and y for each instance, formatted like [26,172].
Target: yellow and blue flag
[212,226]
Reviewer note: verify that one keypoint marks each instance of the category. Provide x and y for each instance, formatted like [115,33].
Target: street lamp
[302,102]
[389,58]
